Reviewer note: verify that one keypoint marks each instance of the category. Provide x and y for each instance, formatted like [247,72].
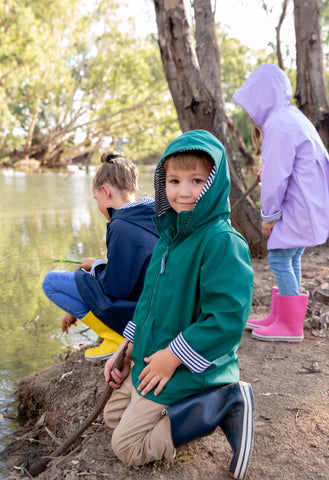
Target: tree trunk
[194,79]
[28,144]
[239,142]
[278,34]
[311,94]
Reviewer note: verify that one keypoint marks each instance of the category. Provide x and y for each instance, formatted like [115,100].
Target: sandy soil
[291,389]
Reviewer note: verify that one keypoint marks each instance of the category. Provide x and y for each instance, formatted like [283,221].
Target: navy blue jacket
[113,292]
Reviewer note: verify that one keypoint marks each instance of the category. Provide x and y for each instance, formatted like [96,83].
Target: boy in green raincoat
[189,319]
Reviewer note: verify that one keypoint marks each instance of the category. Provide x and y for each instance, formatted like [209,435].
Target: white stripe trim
[141,201]
[247,434]
[129,331]
[186,354]
[208,183]
[271,218]
[277,338]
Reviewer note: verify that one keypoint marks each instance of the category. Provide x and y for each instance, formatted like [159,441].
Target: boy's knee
[124,449]
[136,448]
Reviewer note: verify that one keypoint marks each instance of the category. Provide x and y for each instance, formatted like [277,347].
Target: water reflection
[44,216]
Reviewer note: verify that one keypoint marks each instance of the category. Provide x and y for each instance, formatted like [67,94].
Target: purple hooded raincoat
[295,163]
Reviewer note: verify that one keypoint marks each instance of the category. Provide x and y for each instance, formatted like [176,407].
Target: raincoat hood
[198,286]
[265,91]
[295,167]
[138,215]
[214,198]
[113,289]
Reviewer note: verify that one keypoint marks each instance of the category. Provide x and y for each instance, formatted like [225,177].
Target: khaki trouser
[141,434]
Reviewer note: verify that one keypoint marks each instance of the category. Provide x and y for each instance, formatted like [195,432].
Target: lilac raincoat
[295,163]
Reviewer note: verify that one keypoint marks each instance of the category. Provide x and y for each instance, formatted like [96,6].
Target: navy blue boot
[230,407]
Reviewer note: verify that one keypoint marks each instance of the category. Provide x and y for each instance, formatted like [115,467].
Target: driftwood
[41,465]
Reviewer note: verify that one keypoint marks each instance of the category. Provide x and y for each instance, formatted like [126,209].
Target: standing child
[189,319]
[294,195]
[104,294]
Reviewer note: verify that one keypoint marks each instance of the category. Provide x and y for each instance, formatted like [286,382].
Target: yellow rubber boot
[111,338]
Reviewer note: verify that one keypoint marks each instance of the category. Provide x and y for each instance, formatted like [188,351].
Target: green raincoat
[198,287]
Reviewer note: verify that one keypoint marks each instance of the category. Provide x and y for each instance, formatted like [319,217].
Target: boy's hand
[161,367]
[118,376]
[87,263]
[268,227]
[67,321]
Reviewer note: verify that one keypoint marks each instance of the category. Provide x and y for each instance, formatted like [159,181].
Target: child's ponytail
[116,171]
[256,138]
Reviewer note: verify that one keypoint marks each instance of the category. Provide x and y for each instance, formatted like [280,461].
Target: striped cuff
[271,218]
[129,331]
[185,353]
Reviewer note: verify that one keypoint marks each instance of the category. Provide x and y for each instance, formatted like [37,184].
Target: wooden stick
[40,466]
[246,193]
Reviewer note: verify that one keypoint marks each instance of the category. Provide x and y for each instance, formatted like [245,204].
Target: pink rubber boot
[269,319]
[288,326]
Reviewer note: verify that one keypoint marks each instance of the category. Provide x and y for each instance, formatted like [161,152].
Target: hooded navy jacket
[114,289]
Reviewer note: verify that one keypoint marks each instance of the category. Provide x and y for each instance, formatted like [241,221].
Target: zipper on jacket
[151,301]
[164,261]
[161,272]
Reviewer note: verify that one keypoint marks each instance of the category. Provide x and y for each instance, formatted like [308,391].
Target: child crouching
[189,319]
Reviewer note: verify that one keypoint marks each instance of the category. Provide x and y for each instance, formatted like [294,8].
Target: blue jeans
[60,287]
[286,266]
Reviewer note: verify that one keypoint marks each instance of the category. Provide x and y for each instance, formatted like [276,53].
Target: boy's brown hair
[116,171]
[188,160]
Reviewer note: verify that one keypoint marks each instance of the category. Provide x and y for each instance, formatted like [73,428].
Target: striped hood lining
[140,201]
[161,200]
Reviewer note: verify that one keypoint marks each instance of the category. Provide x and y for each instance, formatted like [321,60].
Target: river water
[45,216]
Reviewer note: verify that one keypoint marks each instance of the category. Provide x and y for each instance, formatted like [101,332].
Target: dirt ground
[291,389]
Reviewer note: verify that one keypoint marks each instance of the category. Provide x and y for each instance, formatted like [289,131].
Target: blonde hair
[116,171]
[256,138]
[188,160]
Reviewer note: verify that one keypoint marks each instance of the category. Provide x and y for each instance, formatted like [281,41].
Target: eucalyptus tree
[32,66]
[194,78]
[311,92]
[324,23]
[72,81]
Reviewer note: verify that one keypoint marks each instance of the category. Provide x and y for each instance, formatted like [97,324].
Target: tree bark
[239,142]
[311,94]
[194,79]
[28,144]
[278,34]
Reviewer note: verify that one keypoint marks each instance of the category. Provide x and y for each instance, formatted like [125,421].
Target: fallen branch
[52,436]
[246,193]
[323,294]
[311,369]
[94,473]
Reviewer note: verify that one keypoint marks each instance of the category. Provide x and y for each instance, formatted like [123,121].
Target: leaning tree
[192,68]
[311,94]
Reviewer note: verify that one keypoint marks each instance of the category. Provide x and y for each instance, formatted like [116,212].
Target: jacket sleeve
[226,285]
[129,331]
[126,257]
[278,156]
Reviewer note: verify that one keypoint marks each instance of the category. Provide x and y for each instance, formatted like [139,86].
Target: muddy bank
[291,389]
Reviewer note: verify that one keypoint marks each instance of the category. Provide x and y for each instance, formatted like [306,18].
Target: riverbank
[291,389]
